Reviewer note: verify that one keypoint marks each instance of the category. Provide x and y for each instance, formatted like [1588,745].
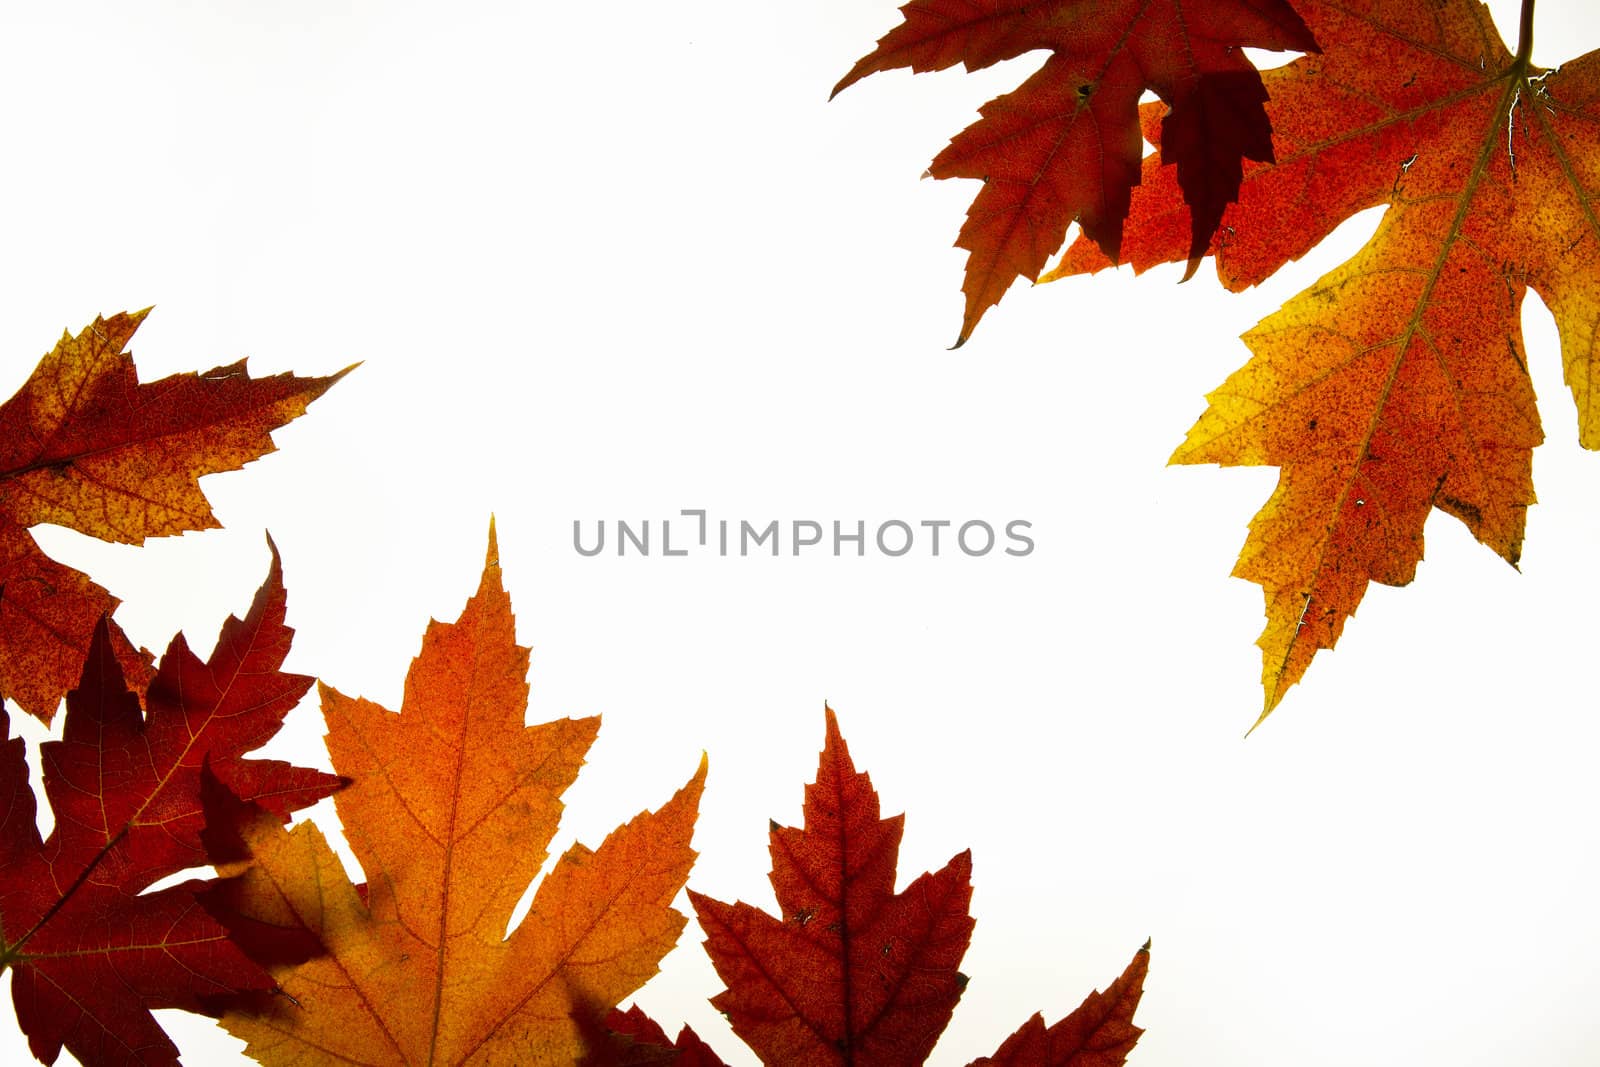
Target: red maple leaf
[1066,145]
[92,953]
[857,973]
[1099,1033]
[633,1039]
[853,972]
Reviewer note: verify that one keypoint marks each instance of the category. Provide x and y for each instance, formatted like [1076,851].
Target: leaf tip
[321,385]
[1271,703]
[491,580]
[855,74]
[961,865]
[272,590]
[686,801]
[971,317]
[832,739]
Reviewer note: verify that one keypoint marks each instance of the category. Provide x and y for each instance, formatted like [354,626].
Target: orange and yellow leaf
[1398,383]
[453,808]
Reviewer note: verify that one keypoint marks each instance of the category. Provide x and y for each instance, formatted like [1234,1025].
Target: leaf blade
[84,444]
[1066,146]
[454,807]
[92,954]
[853,969]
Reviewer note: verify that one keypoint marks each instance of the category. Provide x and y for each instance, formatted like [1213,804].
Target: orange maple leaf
[84,444]
[1398,383]
[1065,146]
[454,805]
[857,973]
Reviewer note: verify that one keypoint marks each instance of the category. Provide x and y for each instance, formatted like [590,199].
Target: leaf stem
[1525,35]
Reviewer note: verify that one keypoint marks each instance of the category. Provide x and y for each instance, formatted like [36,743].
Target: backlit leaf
[1065,146]
[84,444]
[855,973]
[453,808]
[91,952]
[1398,383]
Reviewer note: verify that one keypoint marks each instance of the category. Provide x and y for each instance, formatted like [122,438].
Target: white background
[611,261]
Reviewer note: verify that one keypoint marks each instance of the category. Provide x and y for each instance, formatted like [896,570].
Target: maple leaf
[1397,383]
[1098,1033]
[1066,145]
[853,970]
[84,444]
[454,805]
[633,1039]
[856,973]
[91,953]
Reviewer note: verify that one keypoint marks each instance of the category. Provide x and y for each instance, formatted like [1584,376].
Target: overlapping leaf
[1397,384]
[1066,146]
[633,1039]
[454,805]
[91,954]
[84,444]
[856,973]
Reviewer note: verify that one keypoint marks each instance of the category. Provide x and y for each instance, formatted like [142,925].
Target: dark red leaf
[633,1039]
[1100,1033]
[92,955]
[853,972]
[1066,145]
